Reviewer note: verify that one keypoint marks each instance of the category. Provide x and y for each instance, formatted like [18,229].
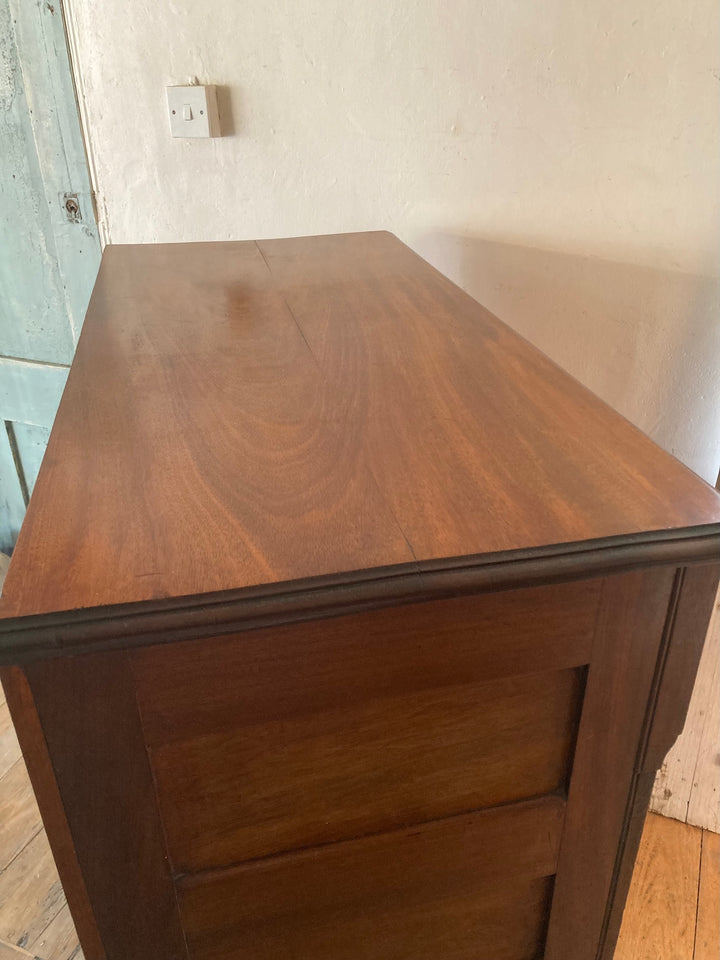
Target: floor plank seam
[697,902]
[27,843]
[18,950]
[54,917]
[13,764]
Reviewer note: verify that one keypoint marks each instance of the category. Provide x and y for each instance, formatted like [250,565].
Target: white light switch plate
[193,111]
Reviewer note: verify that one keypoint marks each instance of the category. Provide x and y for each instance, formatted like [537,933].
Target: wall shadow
[645,340]
[228,108]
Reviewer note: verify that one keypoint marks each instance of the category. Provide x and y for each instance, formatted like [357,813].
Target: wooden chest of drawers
[343,625]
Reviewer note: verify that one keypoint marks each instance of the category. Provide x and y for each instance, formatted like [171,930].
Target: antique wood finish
[664,899]
[630,628]
[342,622]
[681,649]
[302,408]
[627,737]
[376,720]
[707,934]
[89,717]
[451,889]
[688,784]
[184,694]
[39,765]
[405,758]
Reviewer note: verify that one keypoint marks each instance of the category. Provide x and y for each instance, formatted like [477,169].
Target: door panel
[30,392]
[48,259]
[29,398]
[30,442]
[12,499]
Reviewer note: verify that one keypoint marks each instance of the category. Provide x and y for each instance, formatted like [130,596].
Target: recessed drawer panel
[316,732]
[198,687]
[374,765]
[475,887]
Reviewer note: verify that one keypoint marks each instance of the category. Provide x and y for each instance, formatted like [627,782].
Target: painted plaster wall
[559,160]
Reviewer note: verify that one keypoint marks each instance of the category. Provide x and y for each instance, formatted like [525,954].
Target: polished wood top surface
[246,413]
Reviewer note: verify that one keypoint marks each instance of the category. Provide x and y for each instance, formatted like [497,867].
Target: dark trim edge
[638,799]
[124,626]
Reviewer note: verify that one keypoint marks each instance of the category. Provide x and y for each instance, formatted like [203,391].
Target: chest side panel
[427,779]
[291,737]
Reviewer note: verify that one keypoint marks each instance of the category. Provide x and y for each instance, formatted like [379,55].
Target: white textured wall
[572,130]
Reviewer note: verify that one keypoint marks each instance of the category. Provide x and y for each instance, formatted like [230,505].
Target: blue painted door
[49,247]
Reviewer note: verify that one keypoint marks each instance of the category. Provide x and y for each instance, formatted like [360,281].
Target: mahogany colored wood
[271,412]
[696,596]
[634,629]
[695,592]
[322,556]
[375,720]
[91,725]
[32,742]
[469,888]
[331,774]
[209,686]
[664,906]
[69,633]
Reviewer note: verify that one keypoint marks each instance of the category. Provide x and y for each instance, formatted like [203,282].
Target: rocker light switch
[193,111]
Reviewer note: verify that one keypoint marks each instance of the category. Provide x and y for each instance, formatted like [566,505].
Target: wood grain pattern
[323,731]
[9,746]
[19,815]
[663,896]
[108,799]
[217,684]
[30,893]
[704,806]
[328,775]
[688,784]
[171,619]
[630,629]
[707,929]
[680,649]
[660,896]
[33,911]
[698,589]
[58,941]
[342,515]
[469,888]
[44,784]
[9,952]
[437,380]
[242,414]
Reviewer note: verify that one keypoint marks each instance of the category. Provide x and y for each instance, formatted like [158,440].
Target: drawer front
[318,732]
[475,887]
[200,687]
[383,763]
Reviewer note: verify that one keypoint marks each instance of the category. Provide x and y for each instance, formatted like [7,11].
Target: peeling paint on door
[48,259]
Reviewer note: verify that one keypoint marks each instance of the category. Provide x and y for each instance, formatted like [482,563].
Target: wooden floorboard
[9,952]
[34,918]
[20,817]
[58,941]
[30,894]
[707,930]
[661,911]
[9,746]
[688,785]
